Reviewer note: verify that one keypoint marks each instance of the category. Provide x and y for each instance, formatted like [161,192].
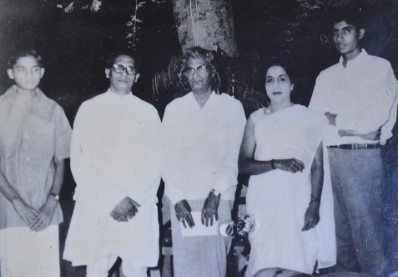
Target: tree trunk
[205,23]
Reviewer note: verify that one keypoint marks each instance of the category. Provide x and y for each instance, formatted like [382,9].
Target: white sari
[278,199]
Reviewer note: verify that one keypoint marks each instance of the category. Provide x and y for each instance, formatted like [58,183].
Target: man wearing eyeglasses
[202,132]
[115,163]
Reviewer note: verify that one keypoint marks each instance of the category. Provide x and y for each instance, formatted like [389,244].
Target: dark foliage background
[75,44]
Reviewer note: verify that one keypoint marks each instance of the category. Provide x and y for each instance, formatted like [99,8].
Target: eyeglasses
[120,69]
[202,69]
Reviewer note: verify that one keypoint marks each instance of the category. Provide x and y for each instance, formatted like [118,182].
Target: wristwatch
[56,196]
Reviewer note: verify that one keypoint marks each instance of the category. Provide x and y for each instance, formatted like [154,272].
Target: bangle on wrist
[273,164]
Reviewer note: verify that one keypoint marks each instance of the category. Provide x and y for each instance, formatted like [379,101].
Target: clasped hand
[125,210]
[36,220]
[291,165]
[375,135]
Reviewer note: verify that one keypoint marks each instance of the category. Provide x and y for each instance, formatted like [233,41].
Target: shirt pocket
[38,136]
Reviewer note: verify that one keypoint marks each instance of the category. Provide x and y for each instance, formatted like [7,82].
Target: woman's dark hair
[29,52]
[283,60]
[284,63]
[200,53]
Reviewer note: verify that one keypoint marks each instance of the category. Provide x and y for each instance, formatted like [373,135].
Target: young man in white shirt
[358,96]
[34,143]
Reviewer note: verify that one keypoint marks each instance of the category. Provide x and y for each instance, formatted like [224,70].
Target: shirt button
[26,136]
[28,159]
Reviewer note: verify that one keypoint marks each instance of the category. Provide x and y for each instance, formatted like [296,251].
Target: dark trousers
[357,177]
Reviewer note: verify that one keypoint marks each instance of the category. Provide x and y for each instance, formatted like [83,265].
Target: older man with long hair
[202,132]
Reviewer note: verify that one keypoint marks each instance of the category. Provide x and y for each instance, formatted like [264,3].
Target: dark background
[74,46]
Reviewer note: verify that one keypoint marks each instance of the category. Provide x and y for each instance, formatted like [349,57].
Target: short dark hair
[197,52]
[114,55]
[352,14]
[28,52]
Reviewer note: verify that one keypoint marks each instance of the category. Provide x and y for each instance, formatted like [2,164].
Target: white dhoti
[26,253]
[201,255]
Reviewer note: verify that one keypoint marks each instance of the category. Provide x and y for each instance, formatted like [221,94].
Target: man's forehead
[26,62]
[125,59]
[342,24]
[196,61]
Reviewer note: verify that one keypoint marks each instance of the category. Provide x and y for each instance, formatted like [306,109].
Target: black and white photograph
[198,138]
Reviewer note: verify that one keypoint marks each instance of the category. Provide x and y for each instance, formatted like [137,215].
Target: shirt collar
[211,99]
[13,92]
[357,61]
[118,96]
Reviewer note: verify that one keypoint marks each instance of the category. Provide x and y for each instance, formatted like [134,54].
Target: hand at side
[210,209]
[183,213]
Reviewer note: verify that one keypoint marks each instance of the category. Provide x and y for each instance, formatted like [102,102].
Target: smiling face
[346,37]
[278,85]
[198,74]
[122,75]
[26,73]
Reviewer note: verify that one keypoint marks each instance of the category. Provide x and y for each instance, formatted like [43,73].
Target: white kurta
[201,146]
[115,153]
[278,199]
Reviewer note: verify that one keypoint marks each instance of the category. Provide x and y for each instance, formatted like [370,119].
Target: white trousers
[28,253]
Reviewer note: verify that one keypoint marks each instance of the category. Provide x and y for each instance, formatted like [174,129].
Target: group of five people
[120,149]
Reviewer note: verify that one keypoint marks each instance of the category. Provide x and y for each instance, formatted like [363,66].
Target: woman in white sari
[287,195]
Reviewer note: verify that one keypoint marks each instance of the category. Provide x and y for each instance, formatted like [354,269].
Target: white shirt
[363,95]
[201,146]
[33,133]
